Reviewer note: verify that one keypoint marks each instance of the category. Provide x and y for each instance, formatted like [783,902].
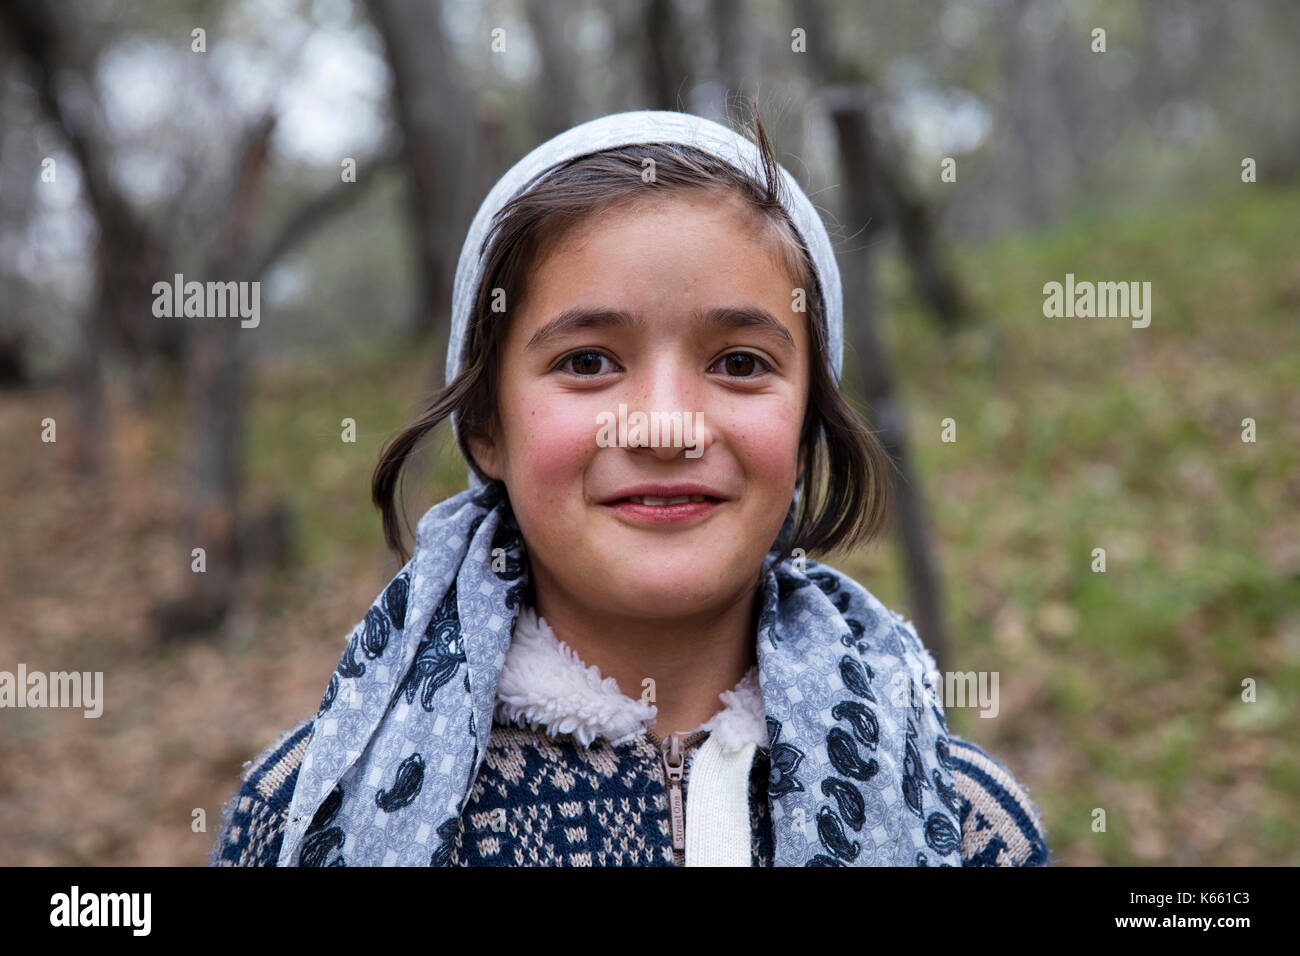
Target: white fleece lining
[743,718]
[717,806]
[544,683]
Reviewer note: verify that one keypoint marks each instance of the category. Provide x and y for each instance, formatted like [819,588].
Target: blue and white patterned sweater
[574,776]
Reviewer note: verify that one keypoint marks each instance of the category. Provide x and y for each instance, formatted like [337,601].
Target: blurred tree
[875,196]
[439,148]
[128,259]
[132,254]
[667,70]
[556,93]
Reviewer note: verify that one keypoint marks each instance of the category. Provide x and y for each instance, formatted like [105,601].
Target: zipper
[672,751]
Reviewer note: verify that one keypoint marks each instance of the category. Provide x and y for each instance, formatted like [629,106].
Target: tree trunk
[128,258]
[858,165]
[556,95]
[438,126]
[665,65]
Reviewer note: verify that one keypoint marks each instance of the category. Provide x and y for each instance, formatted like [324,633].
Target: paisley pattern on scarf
[1001,826]
[857,768]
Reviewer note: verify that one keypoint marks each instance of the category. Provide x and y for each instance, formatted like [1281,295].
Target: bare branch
[318,210]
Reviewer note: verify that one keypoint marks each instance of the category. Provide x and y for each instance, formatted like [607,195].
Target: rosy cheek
[557,441]
[769,446]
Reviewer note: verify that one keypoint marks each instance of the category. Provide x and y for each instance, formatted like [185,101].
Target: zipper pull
[674,763]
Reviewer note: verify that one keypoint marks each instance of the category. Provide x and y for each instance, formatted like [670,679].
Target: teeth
[646,500]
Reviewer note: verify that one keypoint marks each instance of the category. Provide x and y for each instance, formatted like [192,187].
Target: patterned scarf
[859,748]
[860,773]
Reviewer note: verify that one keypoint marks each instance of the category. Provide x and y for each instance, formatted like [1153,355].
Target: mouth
[647,509]
[663,502]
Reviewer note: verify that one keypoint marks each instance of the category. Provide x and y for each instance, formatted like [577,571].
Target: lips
[652,495]
[661,502]
[676,511]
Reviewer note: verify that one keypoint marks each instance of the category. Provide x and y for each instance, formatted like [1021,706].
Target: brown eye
[585,364]
[743,365]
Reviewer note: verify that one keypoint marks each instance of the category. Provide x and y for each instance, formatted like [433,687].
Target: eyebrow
[725,317]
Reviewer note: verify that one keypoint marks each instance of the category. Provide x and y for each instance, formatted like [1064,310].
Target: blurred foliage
[1123,690]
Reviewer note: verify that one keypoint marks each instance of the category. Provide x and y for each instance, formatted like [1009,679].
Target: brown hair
[847,476]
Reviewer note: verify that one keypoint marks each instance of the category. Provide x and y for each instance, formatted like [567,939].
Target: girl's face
[676,304]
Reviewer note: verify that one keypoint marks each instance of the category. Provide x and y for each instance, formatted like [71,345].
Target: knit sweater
[574,775]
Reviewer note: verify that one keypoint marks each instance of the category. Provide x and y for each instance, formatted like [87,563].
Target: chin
[645,591]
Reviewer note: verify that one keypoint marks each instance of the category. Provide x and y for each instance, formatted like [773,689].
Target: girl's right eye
[585,359]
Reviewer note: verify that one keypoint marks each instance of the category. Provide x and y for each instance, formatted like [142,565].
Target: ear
[483,446]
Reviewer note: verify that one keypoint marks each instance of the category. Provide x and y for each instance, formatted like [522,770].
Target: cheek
[768,445]
[554,440]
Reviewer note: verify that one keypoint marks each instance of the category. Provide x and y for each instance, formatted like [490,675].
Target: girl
[612,648]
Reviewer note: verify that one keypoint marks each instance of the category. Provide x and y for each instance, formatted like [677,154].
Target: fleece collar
[545,684]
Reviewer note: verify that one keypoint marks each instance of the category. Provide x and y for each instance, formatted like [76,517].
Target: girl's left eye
[746,358]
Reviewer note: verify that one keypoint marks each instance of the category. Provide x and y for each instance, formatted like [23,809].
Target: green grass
[1086,432]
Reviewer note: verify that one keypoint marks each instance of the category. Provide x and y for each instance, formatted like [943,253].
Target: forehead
[647,207]
[681,245]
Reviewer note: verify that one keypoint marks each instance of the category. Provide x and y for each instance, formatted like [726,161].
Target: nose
[670,394]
